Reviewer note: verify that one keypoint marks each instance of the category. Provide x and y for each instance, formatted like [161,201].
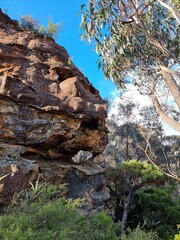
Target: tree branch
[168,70]
[4,176]
[125,212]
[172,85]
[152,40]
[170,121]
[171,10]
[148,147]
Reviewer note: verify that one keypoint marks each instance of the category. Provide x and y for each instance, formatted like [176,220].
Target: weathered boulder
[82,156]
[84,180]
[48,110]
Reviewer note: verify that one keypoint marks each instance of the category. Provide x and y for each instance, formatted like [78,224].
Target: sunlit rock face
[48,110]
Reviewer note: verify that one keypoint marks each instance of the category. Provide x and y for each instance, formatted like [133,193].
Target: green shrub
[138,234]
[177,237]
[46,216]
[158,208]
[55,220]
[29,23]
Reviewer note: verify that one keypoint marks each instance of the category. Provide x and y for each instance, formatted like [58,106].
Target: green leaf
[86,28]
[97,48]
[82,6]
[99,65]
[103,13]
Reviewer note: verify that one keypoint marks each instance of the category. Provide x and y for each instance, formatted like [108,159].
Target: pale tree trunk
[127,143]
[172,10]
[171,84]
[170,121]
[169,70]
[125,212]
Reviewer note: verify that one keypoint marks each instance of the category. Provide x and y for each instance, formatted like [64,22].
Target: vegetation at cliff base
[142,195]
[42,212]
[45,215]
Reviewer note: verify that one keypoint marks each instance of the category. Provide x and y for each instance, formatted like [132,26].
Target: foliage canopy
[137,39]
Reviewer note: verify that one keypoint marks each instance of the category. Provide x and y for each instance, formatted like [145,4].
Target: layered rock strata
[48,110]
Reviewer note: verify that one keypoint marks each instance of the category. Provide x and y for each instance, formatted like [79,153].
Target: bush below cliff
[41,214]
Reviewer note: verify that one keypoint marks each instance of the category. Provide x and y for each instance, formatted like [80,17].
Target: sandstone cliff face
[48,110]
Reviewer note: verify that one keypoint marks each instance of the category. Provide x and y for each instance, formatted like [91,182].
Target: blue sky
[65,11]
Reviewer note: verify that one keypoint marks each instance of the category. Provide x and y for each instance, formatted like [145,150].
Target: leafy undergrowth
[55,220]
[42,214]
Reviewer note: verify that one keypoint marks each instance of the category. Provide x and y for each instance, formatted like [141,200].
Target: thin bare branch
[148,147]
[4,176]
[170,121]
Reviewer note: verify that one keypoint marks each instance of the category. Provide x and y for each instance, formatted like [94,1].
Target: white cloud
[132,94]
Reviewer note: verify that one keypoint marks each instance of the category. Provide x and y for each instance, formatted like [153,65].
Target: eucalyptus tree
[137,132]
[124,135]
[139,39]
[130,128]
